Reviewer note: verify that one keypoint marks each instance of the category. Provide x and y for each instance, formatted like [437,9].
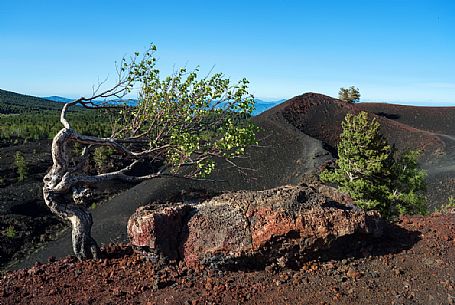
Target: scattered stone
[398,271]
[353,274]
[427,279]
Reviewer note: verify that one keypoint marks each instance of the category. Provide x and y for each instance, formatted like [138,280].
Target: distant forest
[27,118]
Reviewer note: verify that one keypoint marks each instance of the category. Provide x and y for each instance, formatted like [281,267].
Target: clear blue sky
[392,50]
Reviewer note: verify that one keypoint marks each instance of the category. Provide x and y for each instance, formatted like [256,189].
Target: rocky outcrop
[282,224]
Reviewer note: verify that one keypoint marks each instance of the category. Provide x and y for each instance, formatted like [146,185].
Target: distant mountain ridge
[260,105]
[58,99]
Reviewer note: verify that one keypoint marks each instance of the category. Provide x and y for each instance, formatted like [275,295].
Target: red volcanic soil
[412,264]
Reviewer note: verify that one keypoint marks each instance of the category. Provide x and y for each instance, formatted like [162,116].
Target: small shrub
[10,232]
[450,205]
[102,157]
[21,166]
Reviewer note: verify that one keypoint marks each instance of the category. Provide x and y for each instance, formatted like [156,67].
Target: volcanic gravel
[412,264]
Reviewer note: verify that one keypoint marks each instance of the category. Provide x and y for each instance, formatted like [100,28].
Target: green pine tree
[368,171]
[408,185]
[349,95]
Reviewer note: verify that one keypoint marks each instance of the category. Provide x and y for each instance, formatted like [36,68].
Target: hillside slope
[429,129]
[14,103]
[432,119]
[320,116]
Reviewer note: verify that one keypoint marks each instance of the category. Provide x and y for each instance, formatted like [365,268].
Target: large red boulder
[249,227]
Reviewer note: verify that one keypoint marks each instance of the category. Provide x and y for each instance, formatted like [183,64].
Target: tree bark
[61,180]
[57,184]
[84,246]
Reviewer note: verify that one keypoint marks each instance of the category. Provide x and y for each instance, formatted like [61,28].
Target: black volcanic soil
[26,223]
[22,210]
[412,264]
[320,116]
[284,156]
[433,119]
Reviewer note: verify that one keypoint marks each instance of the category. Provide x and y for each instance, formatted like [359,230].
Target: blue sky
[394,51]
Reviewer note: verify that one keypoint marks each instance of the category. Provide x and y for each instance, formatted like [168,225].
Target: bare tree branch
[110,142]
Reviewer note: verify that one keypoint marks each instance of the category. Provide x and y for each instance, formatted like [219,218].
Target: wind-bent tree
[180,125]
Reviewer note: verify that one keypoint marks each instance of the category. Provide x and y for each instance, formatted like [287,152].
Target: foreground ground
[412,264]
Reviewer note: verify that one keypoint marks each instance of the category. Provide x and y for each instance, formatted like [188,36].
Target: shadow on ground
[394,240]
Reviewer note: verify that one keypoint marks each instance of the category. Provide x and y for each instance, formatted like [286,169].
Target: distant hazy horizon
[398,51]
[276,101]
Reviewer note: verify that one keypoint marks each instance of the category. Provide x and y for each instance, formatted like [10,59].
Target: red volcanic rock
[281,224]
[157,227]
[216,228]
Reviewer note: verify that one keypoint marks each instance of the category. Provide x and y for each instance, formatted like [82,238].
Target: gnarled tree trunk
[84,246]
[57,185]
[64,178]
